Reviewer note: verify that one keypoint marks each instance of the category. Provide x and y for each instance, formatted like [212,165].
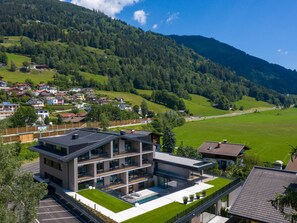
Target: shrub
[198,195]
[185,199]
[191,197]
[203,193]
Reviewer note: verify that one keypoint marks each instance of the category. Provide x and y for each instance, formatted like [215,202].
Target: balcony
[147,148]
[95,158]
[126,154]
[84,177]
[140,179]
[113,186]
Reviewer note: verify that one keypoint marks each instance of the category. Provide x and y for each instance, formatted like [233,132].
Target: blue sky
[263,28]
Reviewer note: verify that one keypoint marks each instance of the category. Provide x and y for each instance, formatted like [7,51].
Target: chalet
[53,90]
[43,86]
[225,153]
[7,109]
[22,87]
[55,100]
[79,97]
[125,106]
[36,103]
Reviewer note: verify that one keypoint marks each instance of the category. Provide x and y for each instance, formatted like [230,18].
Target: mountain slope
[257,70]
[73,39]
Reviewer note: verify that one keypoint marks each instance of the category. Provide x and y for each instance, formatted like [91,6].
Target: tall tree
[104,121]
[25,115]
[12,66]
[19,194]
[144,108]
[168,141]
[287,203]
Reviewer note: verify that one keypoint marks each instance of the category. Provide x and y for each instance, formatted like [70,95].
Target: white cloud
[172,17]
[140,16]
[282,52]
[108,7]
[155,26]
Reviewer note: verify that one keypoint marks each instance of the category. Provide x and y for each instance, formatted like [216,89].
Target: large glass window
[128,146]
[116,146]
[114,164]
[82,171]
[100,167]
[84,157]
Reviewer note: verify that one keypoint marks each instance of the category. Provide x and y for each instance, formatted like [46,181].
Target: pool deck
[145,207]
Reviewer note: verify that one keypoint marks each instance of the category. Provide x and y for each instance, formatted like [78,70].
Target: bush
[203,193]
[198,195]
[191,197]
[185,199]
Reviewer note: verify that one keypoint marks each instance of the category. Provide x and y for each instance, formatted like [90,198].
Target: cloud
[172,17]
[108,7]
[282,52]
[140,16]
[155,26]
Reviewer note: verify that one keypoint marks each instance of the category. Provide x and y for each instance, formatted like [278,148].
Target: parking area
[52,210]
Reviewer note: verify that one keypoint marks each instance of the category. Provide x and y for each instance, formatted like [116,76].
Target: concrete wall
[184,173]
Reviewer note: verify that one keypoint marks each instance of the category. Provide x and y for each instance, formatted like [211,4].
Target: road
[200,118]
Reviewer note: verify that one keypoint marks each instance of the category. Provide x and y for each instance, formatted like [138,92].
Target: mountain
[72,39]
[252,68]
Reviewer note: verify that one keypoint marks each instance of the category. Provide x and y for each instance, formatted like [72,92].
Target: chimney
[75,136]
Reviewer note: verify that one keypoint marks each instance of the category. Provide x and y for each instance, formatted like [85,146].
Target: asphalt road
[31,167]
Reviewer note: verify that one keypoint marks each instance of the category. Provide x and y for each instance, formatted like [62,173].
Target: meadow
[268,134]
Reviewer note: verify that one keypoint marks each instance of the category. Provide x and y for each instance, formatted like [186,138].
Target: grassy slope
[105,200]
[269,133]
[248,103]
[11,41]
[168,211]
[135,100]
[100,78]
[17,76]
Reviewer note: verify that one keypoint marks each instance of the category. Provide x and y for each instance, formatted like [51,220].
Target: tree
[59,120]
[287,203]
[46,120]
[187,151]
[75,110]
[24,116]
[19,194]
[104,121]
[168,141]
[12,66]
[144,108]
[136,108]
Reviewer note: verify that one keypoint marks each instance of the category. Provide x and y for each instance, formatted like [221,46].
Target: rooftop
[181,161]
[225,149]
[261,186]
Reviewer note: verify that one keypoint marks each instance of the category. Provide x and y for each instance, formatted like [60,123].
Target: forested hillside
[252,68]
[73,39]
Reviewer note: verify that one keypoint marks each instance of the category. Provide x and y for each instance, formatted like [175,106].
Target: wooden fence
[26,134]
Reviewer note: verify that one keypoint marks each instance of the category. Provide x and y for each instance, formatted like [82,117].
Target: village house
[42,114]
[224,153]
[55,100]
[43,86]
[36,103]
[125,106]
[7,109]
[22,87]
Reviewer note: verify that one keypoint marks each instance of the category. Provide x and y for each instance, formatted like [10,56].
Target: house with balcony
[105,160]
[224,153]
[36,103]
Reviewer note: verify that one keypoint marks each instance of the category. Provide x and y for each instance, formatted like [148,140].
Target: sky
[263,28]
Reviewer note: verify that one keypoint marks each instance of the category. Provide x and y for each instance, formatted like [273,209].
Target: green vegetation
[248,103]
[268,134]
[105,200]
[168,211]
[134,99]
[99,78]
[11,41]
[201,106]
[24,153]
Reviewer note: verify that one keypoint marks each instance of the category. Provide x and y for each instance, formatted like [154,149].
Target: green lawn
[248,103]
[200,106]
[11,41]
[105,200]
[17,59]
[100,78]
[168,211]
[134,100]
[269,134]
[35,76]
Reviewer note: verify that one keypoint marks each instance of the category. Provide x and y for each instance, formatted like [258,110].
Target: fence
[207,201]
[13,134]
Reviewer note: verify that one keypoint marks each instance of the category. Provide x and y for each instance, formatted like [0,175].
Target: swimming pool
[142,201]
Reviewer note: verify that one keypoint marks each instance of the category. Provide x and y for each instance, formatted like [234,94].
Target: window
[84,157]
[114,164]
[100,167]
[52,164]
[116,146]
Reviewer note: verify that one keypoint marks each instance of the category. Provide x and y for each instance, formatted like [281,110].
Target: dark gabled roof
[223,149]
[261,186]
[292,165]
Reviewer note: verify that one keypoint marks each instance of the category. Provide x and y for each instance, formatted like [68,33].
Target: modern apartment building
[105,160]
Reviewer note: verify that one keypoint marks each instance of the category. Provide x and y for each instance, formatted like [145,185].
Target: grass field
[17,59]
[100,78]
[168,211]
[248,103]
[105,200]
[134,100]
[269,133]
[35,76]
[11,41]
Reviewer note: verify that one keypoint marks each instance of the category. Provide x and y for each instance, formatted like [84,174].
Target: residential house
[36,103]
[225,153]
[53,90]
[75,90]
[262,185]
[7,109]
[112,161]
[22,87]
[55,100]
[3,84]
[42,114]
[125,106]
[79,97]
[43,86]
